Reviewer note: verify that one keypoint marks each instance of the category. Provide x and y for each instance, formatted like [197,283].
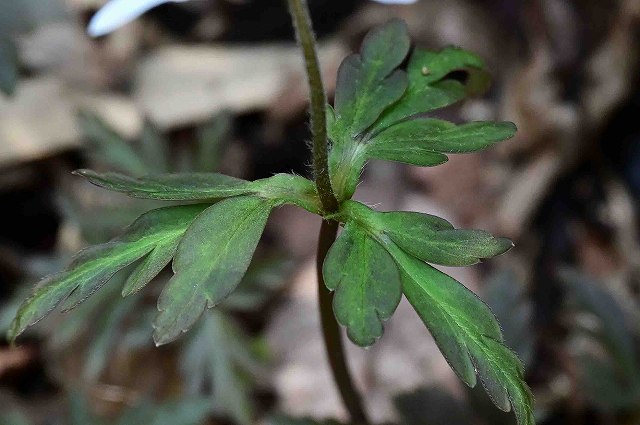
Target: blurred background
[218,86]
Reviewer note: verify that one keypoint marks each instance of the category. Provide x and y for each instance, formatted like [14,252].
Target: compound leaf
[367,82]
[369,126]
[425,141]
[211,259]
[430,238]
[436,80]
[366,284]
[95,266]
[467,333]
[464,328]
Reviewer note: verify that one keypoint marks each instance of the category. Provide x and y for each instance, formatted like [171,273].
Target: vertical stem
[330,329]
[304,32]
[331,332]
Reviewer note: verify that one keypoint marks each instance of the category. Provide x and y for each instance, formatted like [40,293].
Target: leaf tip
[163,337]
[510,129]
[504,245]
[12,335]
[158,340]
[83,172]
[17,327]
[362,341]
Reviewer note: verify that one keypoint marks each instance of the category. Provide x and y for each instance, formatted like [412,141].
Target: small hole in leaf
[459,75]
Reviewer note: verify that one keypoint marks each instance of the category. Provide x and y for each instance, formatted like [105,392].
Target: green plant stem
[329,229]
[331,332]
[304,33]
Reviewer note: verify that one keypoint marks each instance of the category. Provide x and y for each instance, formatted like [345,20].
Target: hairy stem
[304,32]
[331,332]
[330,329]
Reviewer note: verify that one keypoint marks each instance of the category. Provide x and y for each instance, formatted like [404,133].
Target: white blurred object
[117,13]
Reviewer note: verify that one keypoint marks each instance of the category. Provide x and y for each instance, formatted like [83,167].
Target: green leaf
[430,238]
[171,187]
[367,83]
[464,328]
[86,316]
[433,84]
[467,333]
[95,266]
[435,80]
[151,265]
[103,320]
[9,66]
[280,188]
[211,259]
[425,141]
[366,284]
